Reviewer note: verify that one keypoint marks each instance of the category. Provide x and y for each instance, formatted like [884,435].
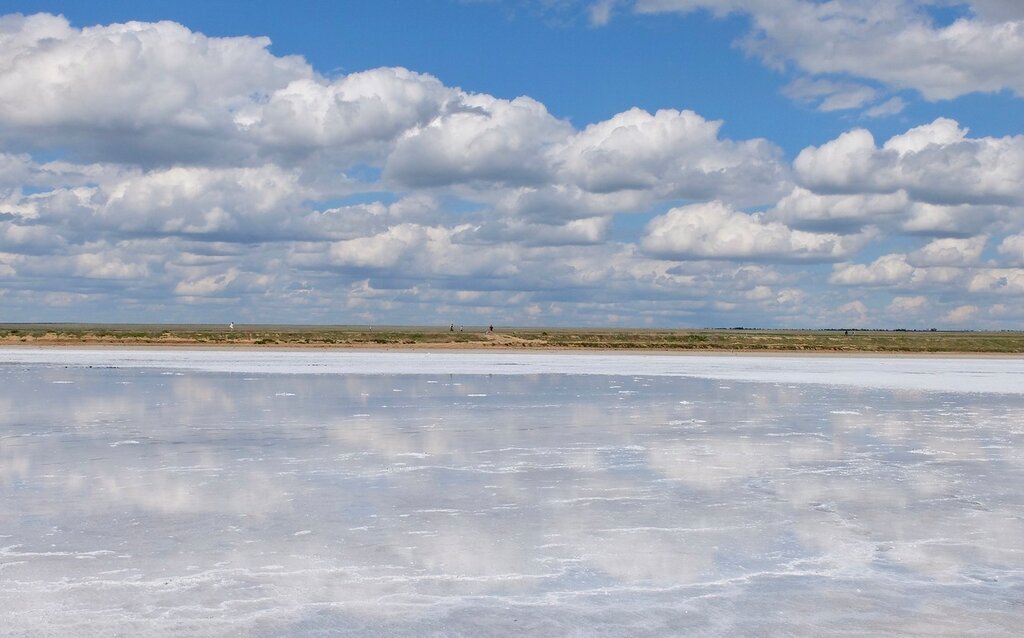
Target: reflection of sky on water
[225,503]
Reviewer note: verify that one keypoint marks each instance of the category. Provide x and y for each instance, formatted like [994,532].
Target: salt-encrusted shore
[931,373]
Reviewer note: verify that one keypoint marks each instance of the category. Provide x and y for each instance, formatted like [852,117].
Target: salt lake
[269,493]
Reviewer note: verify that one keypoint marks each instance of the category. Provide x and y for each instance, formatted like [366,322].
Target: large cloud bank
[150,172]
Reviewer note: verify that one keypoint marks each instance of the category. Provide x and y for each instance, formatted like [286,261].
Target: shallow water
[166,498]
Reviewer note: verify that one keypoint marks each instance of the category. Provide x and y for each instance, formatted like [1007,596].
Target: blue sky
[616,162]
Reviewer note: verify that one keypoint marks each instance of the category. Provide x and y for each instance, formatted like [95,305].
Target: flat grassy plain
[743,340]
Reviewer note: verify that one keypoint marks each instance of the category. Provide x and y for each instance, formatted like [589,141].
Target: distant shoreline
[682,341]
[529,351]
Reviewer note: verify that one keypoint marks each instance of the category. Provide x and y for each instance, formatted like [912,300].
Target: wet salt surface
[961,374]
[163,497]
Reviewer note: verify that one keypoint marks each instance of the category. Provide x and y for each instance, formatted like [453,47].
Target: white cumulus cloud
[908,305]
[949,252]
[716,231]
[485,140]
[998,281]
[896,43]
[935,163]
[676,154]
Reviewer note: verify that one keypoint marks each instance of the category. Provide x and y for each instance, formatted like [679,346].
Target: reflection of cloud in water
[713,464]
[623,503]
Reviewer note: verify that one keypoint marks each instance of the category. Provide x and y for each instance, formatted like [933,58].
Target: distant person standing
[490,328]
[451,328]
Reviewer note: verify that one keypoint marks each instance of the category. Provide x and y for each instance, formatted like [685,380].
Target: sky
[635,163]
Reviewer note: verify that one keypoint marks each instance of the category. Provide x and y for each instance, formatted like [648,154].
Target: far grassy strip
[477,337]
